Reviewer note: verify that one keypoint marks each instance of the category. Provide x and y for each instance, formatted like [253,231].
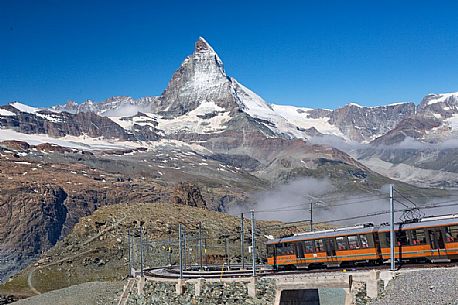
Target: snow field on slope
[453,122]
[88,143]
[256,107]
[300,117]
[191,122]
[128,122]
[24,108]
[442,97]
[4,112]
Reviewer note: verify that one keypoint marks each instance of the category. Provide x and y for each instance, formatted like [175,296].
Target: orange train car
[434,239]
[328,247]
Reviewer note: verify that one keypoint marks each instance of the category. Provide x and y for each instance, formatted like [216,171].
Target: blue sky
[305,53]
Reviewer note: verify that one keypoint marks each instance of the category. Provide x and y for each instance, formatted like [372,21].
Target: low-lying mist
[291,202]
[407,143]
[126,111]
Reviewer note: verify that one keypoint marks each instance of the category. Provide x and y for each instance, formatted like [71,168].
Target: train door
[275,257]
[376,242]
[330,245]
[300,249]
[437,242]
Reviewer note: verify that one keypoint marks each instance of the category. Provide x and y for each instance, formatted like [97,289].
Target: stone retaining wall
[199,292]
[359,289]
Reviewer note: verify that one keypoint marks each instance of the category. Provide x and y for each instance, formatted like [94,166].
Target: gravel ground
[93,293]
[422,287]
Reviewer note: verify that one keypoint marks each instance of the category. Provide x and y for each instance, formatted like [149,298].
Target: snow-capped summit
[444,105]
[201,77]
[202,46]
[433,98]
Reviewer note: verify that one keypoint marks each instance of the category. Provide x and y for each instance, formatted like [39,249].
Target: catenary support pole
[200,246]
[142,262]
[185,250]
[226,251]
[311,215]
[242,241]
[205,250]
[253,242]
[129,255]
[392,233]
[180,242]
[169,248]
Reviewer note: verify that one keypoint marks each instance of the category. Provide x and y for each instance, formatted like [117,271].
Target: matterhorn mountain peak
[200,78]
[202,45]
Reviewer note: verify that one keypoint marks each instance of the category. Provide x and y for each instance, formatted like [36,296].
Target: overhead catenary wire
[331,220]
[400,194]
[400,202]
[356,217]
[330,205]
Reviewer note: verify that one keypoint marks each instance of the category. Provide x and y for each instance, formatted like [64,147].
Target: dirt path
[30,274]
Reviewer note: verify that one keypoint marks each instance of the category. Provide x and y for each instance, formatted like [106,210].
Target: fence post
[180,241]
[242,240]
[200,245]
[141,253]
[253,242]
[129,255]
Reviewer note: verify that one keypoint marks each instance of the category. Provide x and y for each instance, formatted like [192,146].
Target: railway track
[173,273]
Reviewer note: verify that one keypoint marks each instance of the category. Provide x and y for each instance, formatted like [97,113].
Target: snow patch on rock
[206,118]
[439,98]
[300,117]
[24,108]
[4,112]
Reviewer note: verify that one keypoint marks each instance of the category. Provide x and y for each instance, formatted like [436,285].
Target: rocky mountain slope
[96,249]
[47,188]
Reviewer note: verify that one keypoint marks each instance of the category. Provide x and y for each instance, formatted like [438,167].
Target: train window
[454,232]
[353,242]
[284,249]
[364,241]
[401,238]
[288,248]
[270,250]
[384,238]
[451,234]
[308,244]
[291,249]
[319,245]
[342,243]
[416,237]
[280,250]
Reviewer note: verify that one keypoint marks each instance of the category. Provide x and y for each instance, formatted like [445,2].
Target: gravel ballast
[422,287]
[92,293]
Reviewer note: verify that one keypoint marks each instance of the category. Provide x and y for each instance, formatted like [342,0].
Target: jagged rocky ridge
[202,99]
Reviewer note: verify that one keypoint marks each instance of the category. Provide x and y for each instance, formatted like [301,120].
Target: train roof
[431,221]
[325,233]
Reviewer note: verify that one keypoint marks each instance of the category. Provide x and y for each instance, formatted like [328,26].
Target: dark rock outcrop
[188,194]
[364,123]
